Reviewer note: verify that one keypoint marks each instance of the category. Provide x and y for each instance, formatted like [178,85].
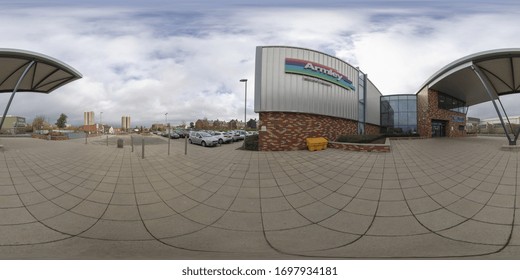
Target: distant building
[125,123]
[107,129]
[202,124]
[218,124]
[494,126]
[13,125]
[88,118]
[251,124]
[158,127]
[90,129]
[472,125]
[232,124]
[513,120]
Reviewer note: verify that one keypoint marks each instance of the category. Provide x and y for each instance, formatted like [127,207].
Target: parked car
[223,137]
[203,138]
[235,135]
[241,134]
[181,133]
[174,135]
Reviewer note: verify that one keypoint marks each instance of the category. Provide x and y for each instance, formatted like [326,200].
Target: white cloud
[144,63]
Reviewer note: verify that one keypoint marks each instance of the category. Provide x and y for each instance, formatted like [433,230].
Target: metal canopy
[29,71]
[482,77]
[45,75]
[458,79]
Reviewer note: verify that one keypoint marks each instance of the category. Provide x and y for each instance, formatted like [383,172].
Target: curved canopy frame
[27,71]
[482,77]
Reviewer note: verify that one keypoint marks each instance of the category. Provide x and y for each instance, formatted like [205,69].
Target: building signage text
[312,69]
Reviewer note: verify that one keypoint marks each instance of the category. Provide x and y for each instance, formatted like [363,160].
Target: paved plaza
[429,198]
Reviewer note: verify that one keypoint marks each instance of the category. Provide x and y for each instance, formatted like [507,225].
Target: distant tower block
[89,118]
[125,123]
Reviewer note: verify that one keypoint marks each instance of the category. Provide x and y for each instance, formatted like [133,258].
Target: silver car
[240,134]
[223,137]
[203,138]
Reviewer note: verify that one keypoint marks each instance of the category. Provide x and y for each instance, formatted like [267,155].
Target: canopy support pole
[14,91]
[493,95]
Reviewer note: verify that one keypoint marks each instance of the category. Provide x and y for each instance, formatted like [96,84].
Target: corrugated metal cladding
[278,91]
[373,107]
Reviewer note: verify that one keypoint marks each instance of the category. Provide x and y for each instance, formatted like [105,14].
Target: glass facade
[399,114]
[447,102]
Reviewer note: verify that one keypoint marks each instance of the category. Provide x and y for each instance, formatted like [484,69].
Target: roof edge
[496,53]
[40,57]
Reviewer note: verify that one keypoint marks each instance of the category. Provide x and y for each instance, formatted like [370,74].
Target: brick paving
[428,198]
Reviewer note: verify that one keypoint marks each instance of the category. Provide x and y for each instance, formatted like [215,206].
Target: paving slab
[429,198]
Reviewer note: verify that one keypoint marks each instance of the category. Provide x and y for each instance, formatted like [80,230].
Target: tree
[192,125]
[38,122]
[205,123]
[62,121]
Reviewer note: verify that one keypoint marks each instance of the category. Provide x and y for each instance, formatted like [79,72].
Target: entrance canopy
[45,74]
[458,79]
[482,77]
[28,71]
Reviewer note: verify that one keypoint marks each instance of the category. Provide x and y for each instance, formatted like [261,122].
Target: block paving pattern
[428,198]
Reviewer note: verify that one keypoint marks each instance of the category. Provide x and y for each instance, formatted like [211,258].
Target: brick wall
[371,129]
[288,131]
[427,109]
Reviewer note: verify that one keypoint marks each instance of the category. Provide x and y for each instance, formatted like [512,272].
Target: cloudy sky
[145,58]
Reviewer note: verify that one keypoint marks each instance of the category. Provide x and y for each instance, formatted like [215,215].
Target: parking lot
[431,198]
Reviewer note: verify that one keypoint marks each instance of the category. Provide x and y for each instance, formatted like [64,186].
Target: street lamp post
[101,122]
[245,101]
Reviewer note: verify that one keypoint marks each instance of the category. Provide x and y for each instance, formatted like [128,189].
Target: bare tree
[38,122]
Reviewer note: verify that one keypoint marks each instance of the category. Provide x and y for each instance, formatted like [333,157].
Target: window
[447,102]
[399,114]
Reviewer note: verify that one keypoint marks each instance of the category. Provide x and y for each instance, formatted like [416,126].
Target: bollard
[107,140]
[132,143]
[143,147]
[169,138]
[185,144]
[86,137]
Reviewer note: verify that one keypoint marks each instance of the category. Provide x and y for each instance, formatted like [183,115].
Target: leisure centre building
[301,93]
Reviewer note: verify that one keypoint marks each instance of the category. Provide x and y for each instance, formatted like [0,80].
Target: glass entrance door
[438,128]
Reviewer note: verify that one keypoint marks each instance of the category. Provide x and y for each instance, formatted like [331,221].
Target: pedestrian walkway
[431,198]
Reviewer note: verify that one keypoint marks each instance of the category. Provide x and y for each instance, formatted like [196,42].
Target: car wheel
[220,141]
[203,144]
[190,141]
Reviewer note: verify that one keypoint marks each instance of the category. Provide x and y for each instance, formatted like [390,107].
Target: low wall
[53,137]
[375,148]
